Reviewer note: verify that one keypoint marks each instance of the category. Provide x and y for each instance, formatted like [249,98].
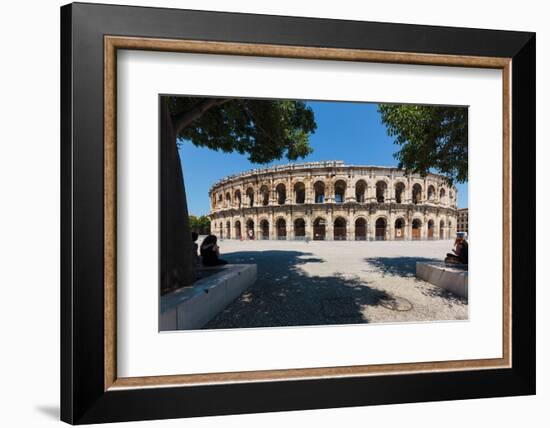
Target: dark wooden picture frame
[90,37]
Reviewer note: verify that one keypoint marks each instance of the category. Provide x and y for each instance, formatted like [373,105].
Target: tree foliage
[200,225]
[431,138]
[266,130]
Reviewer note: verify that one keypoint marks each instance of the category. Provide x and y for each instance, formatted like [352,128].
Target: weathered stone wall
[334,201]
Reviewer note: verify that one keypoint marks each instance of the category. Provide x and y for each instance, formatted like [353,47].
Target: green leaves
[200,225]
[431,138]
[266,130]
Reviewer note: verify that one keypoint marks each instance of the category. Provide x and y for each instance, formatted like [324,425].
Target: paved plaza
[337,282]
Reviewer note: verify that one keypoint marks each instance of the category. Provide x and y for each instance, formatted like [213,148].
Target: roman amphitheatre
[328,201]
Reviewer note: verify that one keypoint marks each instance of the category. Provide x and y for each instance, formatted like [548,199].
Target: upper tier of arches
[339,185]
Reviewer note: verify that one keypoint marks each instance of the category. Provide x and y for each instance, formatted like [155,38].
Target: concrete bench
[191,308]
[449,277]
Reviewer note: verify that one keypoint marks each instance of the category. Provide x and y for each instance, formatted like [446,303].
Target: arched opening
[250,229]
[399,228]
[220,230]
[399,192]
[281,228]
[299,193]
[264,194]
[228,200]
[281,193]
[417,193]
[228,230]
[238,229]
[442,196]
[381,191]
[299,228]
[220,201]
[360,229]
[416,228]
[238,198]
[340,191]
[250,196]
[340,229]
[264,229]
[430,229]
[319,188]
[442,229]
[360,191]
[431,193]
[319,229]
[380,229]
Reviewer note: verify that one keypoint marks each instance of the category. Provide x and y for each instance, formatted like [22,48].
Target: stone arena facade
[333,201]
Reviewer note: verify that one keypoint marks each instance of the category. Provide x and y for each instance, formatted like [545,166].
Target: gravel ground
[319,283]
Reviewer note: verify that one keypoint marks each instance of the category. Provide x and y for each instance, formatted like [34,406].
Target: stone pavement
[337,282]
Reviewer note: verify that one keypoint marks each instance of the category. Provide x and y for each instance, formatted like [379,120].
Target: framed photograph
[266,213]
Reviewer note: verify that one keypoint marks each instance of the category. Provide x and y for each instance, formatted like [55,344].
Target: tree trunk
[176,244]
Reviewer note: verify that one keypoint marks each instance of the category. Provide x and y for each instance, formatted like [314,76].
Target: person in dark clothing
[460,252]
[210,252]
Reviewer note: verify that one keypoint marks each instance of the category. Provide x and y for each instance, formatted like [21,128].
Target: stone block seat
[453,278]
[191,308]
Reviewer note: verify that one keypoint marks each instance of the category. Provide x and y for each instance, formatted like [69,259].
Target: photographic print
[234,202]
[279,213]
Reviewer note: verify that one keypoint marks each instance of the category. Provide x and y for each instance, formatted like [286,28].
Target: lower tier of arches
[338,227]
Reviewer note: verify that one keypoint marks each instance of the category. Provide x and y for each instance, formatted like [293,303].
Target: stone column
[329,227]
[407,197]
[370,227]
[272,234]
[350,194]
[391,191]
[256,225]
[308,185]
[371,191]
[289,226]
[289,192]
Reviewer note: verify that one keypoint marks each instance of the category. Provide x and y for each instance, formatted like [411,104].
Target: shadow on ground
[447,297]
[400,266]
[284,295]
[406,267]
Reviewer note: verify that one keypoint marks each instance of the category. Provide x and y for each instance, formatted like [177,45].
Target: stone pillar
[350,193]
[289,192]
[256,225]
[329,227]
[272,234]
[289,226]
[371,191]
[309,188]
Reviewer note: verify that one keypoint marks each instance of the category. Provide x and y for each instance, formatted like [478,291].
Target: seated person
[210,252]
[460,252]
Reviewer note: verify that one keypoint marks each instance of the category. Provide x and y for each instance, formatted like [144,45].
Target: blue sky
[351,132]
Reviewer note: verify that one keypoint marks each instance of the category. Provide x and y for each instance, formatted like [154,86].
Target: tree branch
[184,119]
